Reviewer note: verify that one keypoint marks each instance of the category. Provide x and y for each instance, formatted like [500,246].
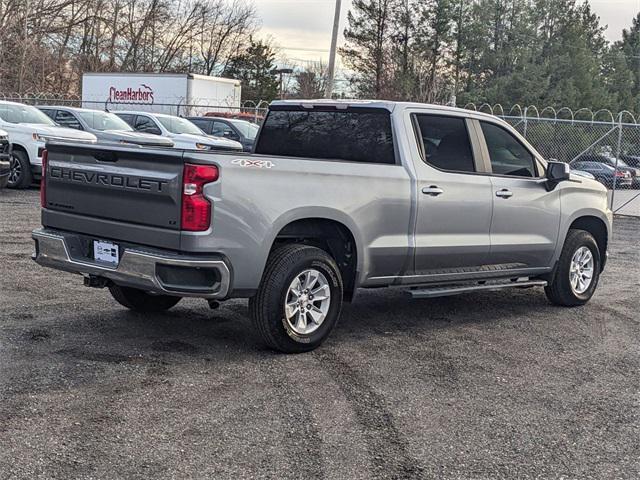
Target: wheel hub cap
[15,169]
[581,271]
[307,302]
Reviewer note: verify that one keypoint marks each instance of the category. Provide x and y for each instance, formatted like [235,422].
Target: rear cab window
[354,134]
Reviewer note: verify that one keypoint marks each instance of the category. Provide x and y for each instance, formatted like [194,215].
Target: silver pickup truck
[337,196]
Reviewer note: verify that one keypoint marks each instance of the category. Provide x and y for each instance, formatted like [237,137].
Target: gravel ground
[492,385]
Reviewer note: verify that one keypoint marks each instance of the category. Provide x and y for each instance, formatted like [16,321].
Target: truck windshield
[179,125]
[15,113]
[102,121]
[354,134]
[247,129]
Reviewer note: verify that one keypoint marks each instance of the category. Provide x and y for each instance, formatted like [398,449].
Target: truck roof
[73,109]
[385,104]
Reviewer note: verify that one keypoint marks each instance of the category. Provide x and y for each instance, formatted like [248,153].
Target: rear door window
[127,117]
[202,124]
[445,142]
[49,113]
[354,134]
[68,120]
[146,125]
[221,129]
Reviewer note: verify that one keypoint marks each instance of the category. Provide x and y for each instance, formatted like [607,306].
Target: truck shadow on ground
[191,330]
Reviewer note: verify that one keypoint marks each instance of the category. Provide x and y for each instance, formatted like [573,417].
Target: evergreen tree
[253,68]
[630,48]
[434,40]
[620,81]
[527,52]
[369,36]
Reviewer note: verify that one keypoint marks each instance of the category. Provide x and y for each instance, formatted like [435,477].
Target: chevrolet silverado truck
[336,197]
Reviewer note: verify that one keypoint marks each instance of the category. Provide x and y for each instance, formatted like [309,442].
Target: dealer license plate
[106,252]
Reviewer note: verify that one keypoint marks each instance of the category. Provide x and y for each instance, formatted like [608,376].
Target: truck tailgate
[113,191]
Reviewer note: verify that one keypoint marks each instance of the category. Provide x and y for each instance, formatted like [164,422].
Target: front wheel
[578,271]
[141,301]
[299,299]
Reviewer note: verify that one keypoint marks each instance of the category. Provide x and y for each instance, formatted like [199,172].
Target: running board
[457,289]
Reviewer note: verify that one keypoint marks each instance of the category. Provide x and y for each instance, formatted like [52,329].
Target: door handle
[433,190]
[504,193]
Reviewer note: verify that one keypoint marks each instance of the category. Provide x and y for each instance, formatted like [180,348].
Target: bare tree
[46,45]
[311,81]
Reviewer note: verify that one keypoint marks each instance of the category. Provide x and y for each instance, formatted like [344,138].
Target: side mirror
[557,172]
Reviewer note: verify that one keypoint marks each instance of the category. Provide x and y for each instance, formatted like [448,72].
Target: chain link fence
[602,144]
[249,110]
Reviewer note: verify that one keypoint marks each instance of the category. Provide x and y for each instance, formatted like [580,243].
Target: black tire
[267,307]
[20,175]
[559,291]
[141,301]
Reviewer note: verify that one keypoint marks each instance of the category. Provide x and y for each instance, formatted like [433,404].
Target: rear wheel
[19,170]
[299,299]
[141,301]
[578,271]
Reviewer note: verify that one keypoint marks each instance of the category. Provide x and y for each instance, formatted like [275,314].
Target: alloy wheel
[15,170]
[581,271]
[307,302]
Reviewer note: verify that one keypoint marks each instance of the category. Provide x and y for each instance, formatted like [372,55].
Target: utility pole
[332,54]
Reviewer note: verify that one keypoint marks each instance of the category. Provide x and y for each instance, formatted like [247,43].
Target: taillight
[620,174]
[196,209]
[43,182]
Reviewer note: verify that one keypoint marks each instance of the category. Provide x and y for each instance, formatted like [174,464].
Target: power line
[321,50]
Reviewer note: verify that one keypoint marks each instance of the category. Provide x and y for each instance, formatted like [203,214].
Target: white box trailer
[176,94]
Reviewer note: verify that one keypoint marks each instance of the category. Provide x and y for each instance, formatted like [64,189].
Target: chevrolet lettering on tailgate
[112,180]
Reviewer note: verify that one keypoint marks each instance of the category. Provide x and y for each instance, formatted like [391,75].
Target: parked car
[251,117]
[338,196]
[631,160]
[106,126]
[238,130]
[28,130]
[582,173]
[620,163]
[181,131]
[5,165]
[604,173]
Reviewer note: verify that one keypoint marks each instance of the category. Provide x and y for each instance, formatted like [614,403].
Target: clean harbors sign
[177,94]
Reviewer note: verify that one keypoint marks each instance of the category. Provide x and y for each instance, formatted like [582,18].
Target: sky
[302,28]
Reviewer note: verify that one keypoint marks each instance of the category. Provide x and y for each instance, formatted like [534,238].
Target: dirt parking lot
[493,385]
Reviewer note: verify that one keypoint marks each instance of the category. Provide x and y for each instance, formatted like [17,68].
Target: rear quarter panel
[253,202]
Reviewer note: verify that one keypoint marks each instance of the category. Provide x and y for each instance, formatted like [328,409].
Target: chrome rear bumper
[138,267]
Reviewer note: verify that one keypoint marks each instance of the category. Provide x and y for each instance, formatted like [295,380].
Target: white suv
[184,133]
[28,130]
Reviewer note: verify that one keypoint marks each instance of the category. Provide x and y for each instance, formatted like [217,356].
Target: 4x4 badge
[245,162]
